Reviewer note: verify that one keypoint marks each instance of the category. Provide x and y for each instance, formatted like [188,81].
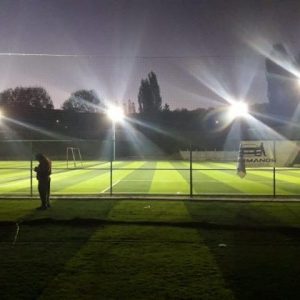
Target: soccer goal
[74,157]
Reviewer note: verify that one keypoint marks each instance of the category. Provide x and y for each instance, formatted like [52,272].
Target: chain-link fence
[87,168]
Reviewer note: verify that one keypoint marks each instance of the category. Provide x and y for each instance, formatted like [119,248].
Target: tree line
[149,98]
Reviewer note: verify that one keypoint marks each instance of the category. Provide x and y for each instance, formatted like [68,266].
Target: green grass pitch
[151,178]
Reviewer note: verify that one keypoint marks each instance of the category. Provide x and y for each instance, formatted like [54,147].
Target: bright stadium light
[116,114]
[1,115]
[238,109]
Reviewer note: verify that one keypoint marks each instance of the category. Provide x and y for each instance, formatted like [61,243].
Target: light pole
[1,123]
[239,110]
[116,114]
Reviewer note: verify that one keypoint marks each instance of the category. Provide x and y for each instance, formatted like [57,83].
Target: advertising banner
[266,154]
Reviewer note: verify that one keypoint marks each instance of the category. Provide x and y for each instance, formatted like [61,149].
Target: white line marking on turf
[109,186]
[150,180]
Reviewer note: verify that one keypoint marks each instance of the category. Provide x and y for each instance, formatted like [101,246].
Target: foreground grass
[251,214]
[150,250]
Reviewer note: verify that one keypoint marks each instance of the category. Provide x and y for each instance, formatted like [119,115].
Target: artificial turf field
[149,249]
[151,178]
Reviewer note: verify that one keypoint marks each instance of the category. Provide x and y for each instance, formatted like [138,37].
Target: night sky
[202,51]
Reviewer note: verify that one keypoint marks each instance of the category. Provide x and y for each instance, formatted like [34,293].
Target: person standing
[43,172]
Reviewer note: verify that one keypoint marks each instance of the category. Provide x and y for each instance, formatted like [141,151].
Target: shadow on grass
[42,249]
[256,263]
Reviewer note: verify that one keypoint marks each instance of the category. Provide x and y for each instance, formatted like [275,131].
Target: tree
[144,97]
[166,107]
[283,88]
[155,91]
[34,97]
[149,97]
[82,101]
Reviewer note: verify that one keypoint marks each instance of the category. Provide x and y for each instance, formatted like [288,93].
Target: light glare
[238,109]
[115,113]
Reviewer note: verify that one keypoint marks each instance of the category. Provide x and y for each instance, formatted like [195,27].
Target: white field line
[109,186]
[202,181]
[145,180]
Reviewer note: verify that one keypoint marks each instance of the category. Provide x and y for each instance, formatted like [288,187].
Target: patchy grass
[142,249]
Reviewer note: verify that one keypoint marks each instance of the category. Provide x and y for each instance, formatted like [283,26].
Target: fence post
[31,167]
[274,182]
[274,169]
[191,172]
[111,178]
[111,166]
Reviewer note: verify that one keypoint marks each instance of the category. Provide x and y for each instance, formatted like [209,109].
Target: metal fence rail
[106,177]
[113,179]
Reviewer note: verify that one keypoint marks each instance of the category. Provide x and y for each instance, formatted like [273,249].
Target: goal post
[73,154]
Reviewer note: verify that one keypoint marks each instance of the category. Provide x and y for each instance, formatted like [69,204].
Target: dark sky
[202,51]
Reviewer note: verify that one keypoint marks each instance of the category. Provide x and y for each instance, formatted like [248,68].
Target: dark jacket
[43,170]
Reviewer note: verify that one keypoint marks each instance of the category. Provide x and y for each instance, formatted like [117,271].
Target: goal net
[74,157]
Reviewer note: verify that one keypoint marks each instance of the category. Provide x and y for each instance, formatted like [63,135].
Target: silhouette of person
[43,172]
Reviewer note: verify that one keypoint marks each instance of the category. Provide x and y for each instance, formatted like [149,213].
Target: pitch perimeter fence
[87,168]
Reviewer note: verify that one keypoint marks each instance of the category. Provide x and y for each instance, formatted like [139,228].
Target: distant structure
[129,107]
[283,84]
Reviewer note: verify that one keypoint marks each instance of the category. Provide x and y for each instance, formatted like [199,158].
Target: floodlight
[115,113]
[238,109]
[1,114]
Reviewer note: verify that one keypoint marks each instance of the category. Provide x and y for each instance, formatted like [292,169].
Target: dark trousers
[44,191]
